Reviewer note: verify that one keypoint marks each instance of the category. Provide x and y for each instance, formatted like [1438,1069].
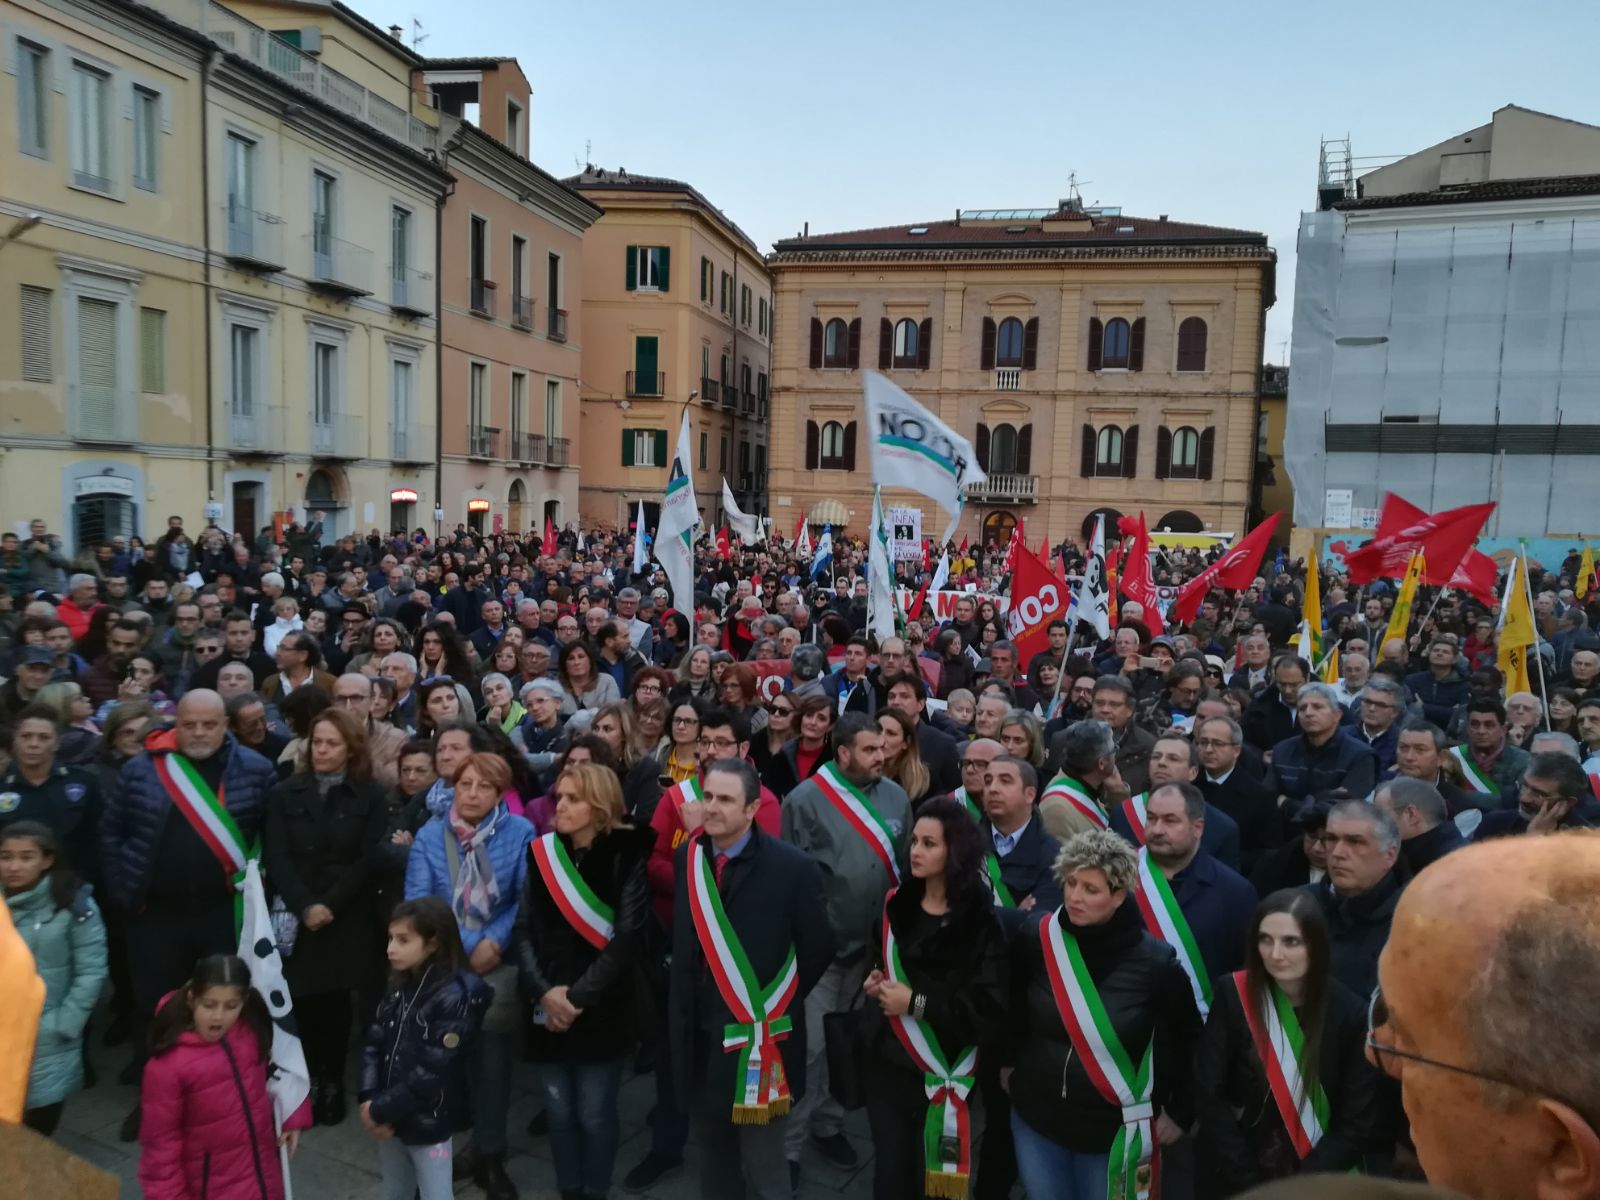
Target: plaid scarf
[475,889]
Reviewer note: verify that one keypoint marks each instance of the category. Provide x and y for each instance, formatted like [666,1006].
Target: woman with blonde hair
[1022,735]
[901,762]
[80,736]
[639,771]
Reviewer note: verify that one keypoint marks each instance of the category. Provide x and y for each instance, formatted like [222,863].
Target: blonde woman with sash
[1283,1079]
[1103,1028]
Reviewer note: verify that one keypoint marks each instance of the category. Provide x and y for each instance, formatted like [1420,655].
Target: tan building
[1274,491]
[1096,361]
[510,306]
[678,313]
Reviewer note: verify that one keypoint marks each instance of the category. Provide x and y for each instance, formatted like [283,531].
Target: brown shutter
[813,445]
[1030,344]
[1163,452]
[1136,347]
[983,446]
[925,343]
[1208,445]
[816,343]
[854,359]
[1097,337]
[1192,344]
[1025,449]
[850,446]
[1130,452]
[885,344]
[986,363]
[1086,454]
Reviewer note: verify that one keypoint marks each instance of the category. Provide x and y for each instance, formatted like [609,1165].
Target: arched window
[1192,345]
[1114,346]
[1185,453]
[836,344]
[1003,450]
[1108,451]
[997,527]
[1111,515]
[832,456]
[1008,344]
[906,343]
[1179,520]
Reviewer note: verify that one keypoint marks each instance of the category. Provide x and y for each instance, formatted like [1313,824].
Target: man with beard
[1553,794]
[104,677]
[238,645]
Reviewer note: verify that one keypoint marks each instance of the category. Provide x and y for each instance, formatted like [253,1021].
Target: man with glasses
[1320,761]
[976,756]
[1553,794]
[1226,786]
[340,648]
[238,645]
[211,610]
[1271,716]
[1375,719]
[1361,891]
[353,693]
[1113,703]
[299,660]
[566,630]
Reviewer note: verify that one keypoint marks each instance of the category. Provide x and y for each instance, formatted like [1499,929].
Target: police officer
[67,799]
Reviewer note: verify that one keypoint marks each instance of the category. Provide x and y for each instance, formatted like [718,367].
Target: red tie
[718,865]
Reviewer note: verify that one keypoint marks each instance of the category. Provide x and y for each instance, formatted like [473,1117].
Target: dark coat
[417,1055]
[1439,697]
[1283,867]
[1133,755]
[69,802]
[862,697]
[1386,745]
[1218,903]
[1427,848]
[1268,720]
[1240,1124]
[641,790]
[937,750]
[1358,927]
[1252,808]
[327,850]
[782,775]
[1029,870]
[603,983]
[1219,838]
[772,894]
[1341,767]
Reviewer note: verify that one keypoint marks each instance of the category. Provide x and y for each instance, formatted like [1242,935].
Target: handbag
[844,1042]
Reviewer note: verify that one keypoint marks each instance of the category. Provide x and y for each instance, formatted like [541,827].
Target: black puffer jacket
[414,1063]
[1145,993]
[605,984]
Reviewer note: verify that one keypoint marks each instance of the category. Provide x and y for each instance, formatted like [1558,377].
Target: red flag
[1476,574]
[1113,553]
[927,554]
[962,549]
[1236,569]
[1037,598]
[1138,584]
[1016,542]
[724,548]
[1044,548]
[914,610]
[548,546]
[1443,539]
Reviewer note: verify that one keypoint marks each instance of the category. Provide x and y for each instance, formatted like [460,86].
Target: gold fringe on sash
[780,1107]
[945,1185]
[752,1114]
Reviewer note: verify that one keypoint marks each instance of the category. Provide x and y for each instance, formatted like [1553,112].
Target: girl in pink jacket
[207,1129]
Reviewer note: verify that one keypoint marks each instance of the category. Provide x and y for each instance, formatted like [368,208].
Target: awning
[829,512]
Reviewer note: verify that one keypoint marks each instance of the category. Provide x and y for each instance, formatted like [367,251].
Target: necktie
[718,865]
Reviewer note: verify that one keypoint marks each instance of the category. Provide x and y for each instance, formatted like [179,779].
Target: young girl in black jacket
[414,1063]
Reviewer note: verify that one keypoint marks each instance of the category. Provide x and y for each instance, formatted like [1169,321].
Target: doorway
[247,510]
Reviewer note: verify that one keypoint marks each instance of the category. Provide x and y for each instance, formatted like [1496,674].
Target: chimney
[1163,216]
[805,232]
[395,31]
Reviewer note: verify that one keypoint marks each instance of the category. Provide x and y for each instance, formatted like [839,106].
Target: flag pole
[1072,636]
[283,1163]
[1527,588]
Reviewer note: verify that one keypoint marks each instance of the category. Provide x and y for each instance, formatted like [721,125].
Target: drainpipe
[206,284]
[438,340]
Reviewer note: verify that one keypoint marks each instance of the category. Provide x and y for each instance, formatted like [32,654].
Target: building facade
[1098,363]
[1272,492]
[1446,309]
[678,311]
[510,306]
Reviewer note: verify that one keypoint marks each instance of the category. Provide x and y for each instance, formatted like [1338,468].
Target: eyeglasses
[721,744]
[208,649]
[1211,743]
[686,720]
[349,699]
[780,710]
[976,764]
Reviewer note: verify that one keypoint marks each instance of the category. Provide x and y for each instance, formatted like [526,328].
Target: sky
[850,116]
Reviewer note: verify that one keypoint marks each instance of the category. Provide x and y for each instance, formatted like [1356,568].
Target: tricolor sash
[592,918]
[1002,894]
[947,1128]
[1135,810]
[1066,788]
[967,802]
[1281,1045]
[1165,920]
[1133,1159]
[761,1089]
[852,804]
[1476,779]
[210,818]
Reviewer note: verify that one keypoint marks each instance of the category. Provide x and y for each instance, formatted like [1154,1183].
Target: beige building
[1098,362]
[1274,491]
[678,314]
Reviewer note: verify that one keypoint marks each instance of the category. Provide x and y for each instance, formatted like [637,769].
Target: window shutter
[816,343]
[1030,344]
[97,367]
[1163,452]
[986,359]
[854,359]
[666,268]
[1208,445]
[633,268]
[705,279]
[660,458]
[1097,337]
[813,445]
[627,447]
[1136,346]
[1086,453]
[885,344]
[1025,449]
[983,446]
[1192,344]
[850,446]
[37,351]
[1130,452]
[152,350]
[925,343]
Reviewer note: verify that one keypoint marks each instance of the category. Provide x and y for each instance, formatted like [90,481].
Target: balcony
[105,414]
[411,292]
[556,325]
[527,448]
[522,312]
[483,441]
[648,384]
[730,394]
[481,297]
[252,240]
[257,432]
[338,267]
[709,390]
[1006,489]
[748,400]
[411,443]
[1008,379]
[338,436]
[557,452]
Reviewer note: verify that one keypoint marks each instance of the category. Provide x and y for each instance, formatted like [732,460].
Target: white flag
[675,531]
[288,1080]
[747,527]
[912,448]
[941,573]
[802,542]
[641,556]
[822,559]
[1093,602]
[880,574]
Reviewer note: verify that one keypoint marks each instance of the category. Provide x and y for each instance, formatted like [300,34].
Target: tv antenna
[417,36]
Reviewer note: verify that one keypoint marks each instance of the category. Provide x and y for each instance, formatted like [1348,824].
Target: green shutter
[661,448]
[627,447]
[633,267]
[152,350]
[666,261]
[705,279]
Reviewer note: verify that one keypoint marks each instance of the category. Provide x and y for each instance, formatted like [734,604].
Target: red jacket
[670,835]
[75,618]
[206,1129]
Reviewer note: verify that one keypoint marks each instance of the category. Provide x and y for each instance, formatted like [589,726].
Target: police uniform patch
[75,793]
[9,801]
[451,1040]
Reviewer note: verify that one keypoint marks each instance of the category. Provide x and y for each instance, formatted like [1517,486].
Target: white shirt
[1005,843]
[1224,777]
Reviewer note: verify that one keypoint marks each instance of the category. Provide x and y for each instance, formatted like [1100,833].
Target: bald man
[1487,1019]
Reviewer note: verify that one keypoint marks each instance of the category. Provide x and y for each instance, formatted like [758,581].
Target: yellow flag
[1311,612]
[1400,618]
[1586,576]
[1330,669]
[1517,634]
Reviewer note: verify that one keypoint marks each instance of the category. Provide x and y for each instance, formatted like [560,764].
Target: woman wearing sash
[1103,1025]
[579,951]
[1283,1080]
[936,995]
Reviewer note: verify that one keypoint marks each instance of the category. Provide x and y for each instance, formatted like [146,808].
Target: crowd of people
[1078,922]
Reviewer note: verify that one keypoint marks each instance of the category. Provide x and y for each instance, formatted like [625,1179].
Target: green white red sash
[853,805]
[1066,788]
[1002,894]
[592,918]
[1165,920]
[1134,1154]
[1476,779]
[1136,810]
[947,1128]
[1282,1046]
[973,809]
[761,1089]
[210,818]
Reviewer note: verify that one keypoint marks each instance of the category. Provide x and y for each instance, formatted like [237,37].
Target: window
[477,395]
[240,163]
[324,199]
[91,128]
[906,340]
[38,357]
[1003,450]
[1192,344]
[97,366]
[400,257]
[402,393]
[745,295]
[146,131]
[761,316]
[325,383]
[33,99]
[761,395]
[725,296]
[1185,453]
[644,447]
[705,443]
[152,350]
[552,282]
[552,408]
[514,126]
[726,378]
[519,266]
[836,344]
[1008,344]
[244,353]
[647,268]
[744,381]
[832,449]
[478,249]
[1114,346]
[707,280]
[1108,451]
[519,407]
[722,454]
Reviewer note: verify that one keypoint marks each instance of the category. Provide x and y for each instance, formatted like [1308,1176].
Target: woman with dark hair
[1283,1081]
[437,705]
[650,683]
[681,760]
[1564,711]
[955,668]
[380,639]
[808,751]
[441,651]
[141,683]
[780,727]
[585,684]
[738,690]
[667,647]
[936,996]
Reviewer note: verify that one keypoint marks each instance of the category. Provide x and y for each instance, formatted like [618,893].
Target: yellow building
[677,310]
[1274,491]
[1098,363]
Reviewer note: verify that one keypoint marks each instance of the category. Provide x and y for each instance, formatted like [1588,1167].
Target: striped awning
[829,512]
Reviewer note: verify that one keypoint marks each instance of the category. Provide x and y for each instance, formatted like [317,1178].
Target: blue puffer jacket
[69,952]
[136,813]
[428,873]
[414,1062]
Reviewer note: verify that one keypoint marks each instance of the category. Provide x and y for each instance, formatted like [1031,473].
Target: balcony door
[646,362]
